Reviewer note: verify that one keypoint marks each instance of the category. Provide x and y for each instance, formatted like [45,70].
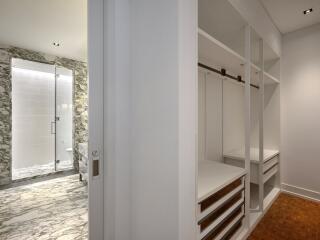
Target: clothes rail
[223,72]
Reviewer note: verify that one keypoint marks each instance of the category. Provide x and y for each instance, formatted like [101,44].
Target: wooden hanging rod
[223,72]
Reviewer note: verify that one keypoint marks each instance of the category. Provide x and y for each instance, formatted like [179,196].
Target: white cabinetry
[238,122]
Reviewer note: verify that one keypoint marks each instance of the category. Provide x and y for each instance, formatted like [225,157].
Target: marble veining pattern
[5,116]
[80,102]
[50,210]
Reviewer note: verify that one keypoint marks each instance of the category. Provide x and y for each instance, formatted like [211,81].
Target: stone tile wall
[80,102]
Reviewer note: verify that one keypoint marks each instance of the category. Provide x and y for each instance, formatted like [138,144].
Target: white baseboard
[301,192]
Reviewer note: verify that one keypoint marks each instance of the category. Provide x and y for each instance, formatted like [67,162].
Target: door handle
[95,163]
[53,128]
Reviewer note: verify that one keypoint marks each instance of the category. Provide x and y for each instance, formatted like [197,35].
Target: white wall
[97,193]
[154,182]
[149,119]
[163,119]
[300,110]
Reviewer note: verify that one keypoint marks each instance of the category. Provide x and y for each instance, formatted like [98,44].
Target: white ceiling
[36,24]
[288,14]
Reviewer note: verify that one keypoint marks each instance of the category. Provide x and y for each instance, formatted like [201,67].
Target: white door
[95,107]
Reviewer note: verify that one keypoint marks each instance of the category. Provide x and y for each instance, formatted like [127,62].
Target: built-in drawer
[270,163]
[218,213]
[213,216]
[254,167]
[227,227]
[233,229]
[216,197]
[270,172]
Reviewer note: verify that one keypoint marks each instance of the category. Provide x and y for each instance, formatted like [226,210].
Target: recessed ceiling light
[310,10]
[56,44]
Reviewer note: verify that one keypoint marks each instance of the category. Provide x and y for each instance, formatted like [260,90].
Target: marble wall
[80,102]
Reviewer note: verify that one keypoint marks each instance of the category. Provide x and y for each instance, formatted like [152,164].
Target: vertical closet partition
[239,123]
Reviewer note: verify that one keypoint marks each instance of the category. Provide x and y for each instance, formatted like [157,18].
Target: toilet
[70,154]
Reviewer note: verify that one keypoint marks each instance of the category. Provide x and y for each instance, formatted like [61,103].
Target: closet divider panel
[271,126]
[271,140]
[214,123]
[247,77]
[233,116]
[272,116]
[201,115]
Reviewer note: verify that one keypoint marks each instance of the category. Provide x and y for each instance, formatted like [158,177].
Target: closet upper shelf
[269,79]
[214,53]
[213,176]
[254,154]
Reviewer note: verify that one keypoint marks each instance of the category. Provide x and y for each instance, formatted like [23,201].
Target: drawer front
[226,228]
[270,163]
[219,195]
[220,215]
[233,229]
[269,173]
[204,223]
[223,200]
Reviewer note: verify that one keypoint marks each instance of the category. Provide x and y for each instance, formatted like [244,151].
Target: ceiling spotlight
[310,10]
[56,44]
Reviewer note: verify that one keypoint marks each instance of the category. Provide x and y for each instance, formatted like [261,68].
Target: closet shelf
[269,195]
[269,79]
[213,176]
[269,164]
[217,54]
[239,154]
[255,68]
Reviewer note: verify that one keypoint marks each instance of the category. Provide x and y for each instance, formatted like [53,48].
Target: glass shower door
[64,128]
[33,113]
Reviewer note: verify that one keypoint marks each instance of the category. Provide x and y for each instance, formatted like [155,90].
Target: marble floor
[40,170]
[55,209]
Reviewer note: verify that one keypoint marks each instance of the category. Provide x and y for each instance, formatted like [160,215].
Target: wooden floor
[289,218]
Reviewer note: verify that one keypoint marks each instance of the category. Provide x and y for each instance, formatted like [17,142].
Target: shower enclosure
[42,125]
